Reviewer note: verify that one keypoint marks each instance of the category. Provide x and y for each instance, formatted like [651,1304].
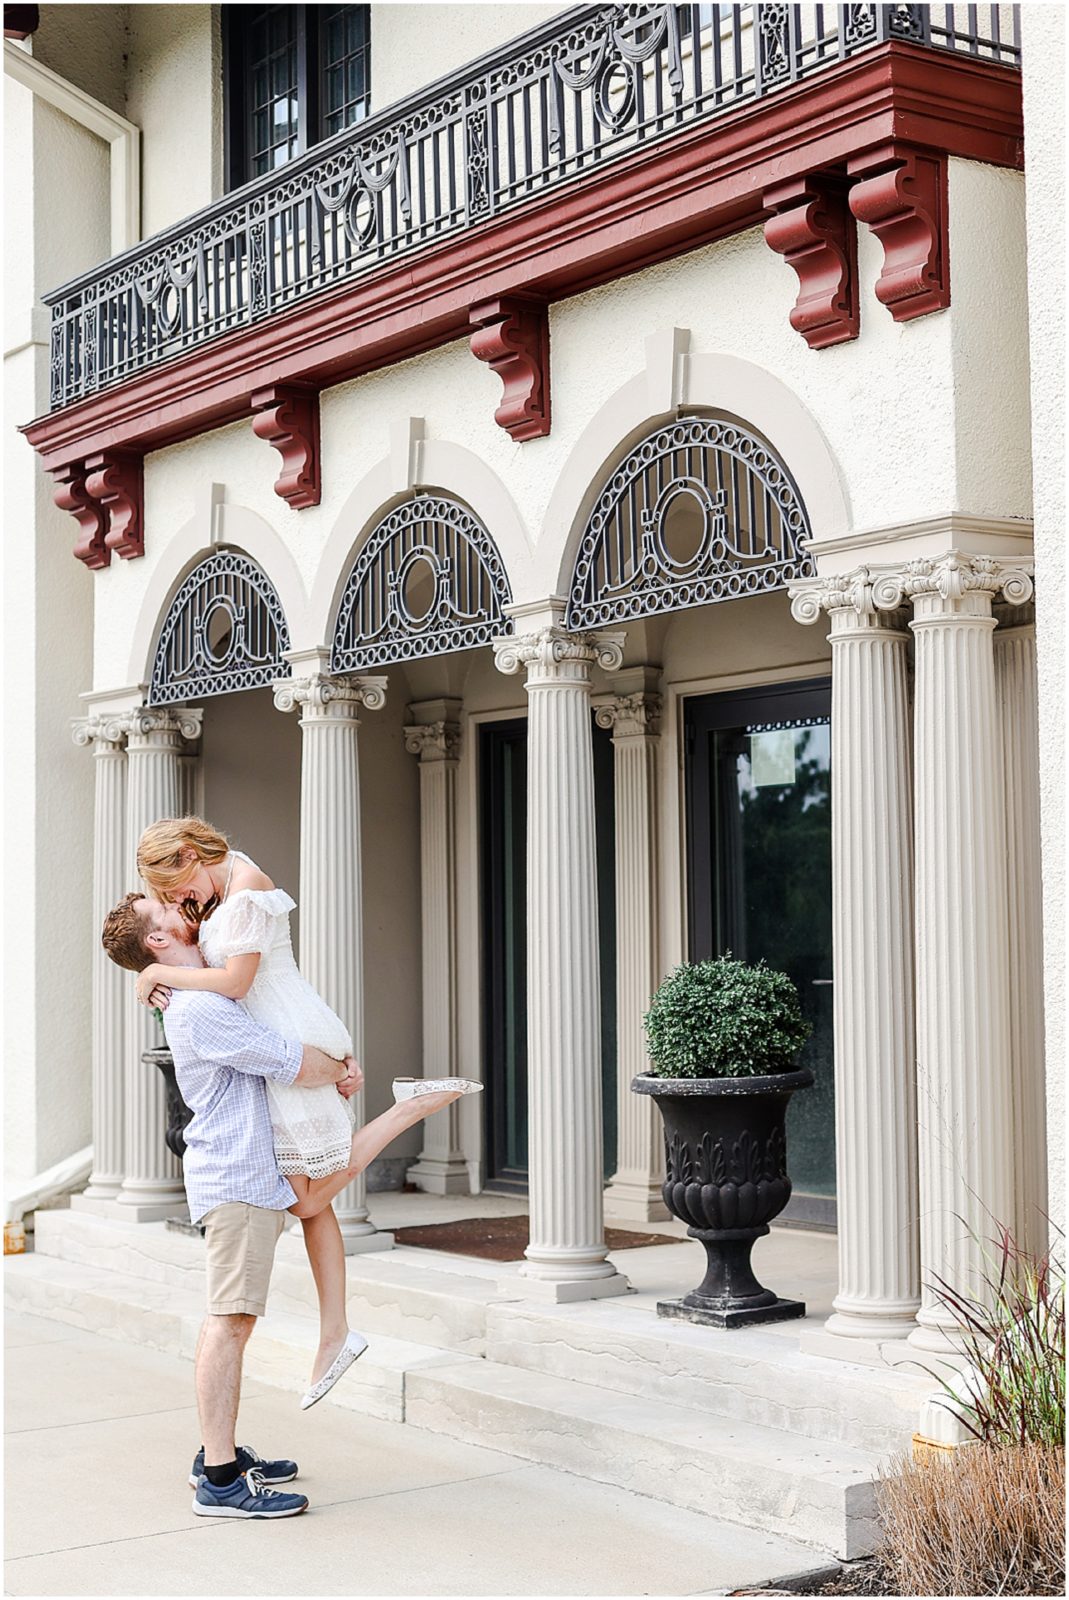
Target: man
[233,1184]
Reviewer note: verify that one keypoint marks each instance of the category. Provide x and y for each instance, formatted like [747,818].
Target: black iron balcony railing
[559,102]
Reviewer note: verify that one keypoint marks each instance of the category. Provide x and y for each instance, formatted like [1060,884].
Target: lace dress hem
[320,1165]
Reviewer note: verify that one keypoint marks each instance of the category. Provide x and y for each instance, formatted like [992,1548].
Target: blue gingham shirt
[221,1058]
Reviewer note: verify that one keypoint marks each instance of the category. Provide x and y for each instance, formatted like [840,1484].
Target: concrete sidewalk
[99,1437]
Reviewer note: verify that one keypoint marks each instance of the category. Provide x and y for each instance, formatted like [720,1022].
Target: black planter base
[748,1317]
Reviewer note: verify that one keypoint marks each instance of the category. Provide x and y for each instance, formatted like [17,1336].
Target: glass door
[758,800]
[503,825]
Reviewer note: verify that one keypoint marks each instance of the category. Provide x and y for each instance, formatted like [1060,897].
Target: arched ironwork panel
[225,631]
[701,510]
[428,581]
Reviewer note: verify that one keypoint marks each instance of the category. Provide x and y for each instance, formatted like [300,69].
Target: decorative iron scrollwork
[700,510]
[428,581]
[225,631]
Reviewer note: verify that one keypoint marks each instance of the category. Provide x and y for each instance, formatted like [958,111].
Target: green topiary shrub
[724,1019]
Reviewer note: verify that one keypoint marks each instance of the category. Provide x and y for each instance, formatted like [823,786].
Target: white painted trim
[416,462]
[926,536]
[123,137]
[68,1174]
[216,522]
[673,378]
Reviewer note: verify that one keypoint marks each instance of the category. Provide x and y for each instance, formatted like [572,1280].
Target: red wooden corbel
[115,480]
[287,417]
[812,228]
[902,196]
[70,494]
[512,335]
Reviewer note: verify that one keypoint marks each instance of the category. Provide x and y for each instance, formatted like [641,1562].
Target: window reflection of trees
[775,903]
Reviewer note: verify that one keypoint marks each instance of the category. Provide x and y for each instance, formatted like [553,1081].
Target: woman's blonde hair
[160,849]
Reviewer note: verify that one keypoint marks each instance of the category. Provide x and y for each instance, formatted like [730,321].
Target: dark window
[293,76]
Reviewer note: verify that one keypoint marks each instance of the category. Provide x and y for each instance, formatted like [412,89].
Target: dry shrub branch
[984,1520]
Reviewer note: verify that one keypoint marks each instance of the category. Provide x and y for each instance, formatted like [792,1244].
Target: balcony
[591,146]
[566,100]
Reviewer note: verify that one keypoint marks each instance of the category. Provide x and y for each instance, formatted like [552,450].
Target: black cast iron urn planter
[177,1115]
[726,1178]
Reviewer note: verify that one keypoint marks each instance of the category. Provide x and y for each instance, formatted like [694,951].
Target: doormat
[505,1238]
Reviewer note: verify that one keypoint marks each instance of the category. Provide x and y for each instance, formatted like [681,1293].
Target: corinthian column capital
[319,697]
[631,716]
[100,731]
[554,655]
[952,578]
[433,741]
[176,722]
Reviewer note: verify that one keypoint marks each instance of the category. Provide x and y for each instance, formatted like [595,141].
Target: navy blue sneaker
[247,1496]
[271,1472]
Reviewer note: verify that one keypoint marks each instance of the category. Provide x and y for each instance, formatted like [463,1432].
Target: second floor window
[293,75]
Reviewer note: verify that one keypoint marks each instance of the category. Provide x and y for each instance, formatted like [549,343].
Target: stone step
[819,1492]
[752,1376]
[404,1294]
[166,1318]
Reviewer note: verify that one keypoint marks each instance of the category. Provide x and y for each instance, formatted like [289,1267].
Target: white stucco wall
[60,220]
[1044,43]
[175,96]
[87,45]
[400,60]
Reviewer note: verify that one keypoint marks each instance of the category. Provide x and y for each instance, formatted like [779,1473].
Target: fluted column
[441,1168]
[872,922]
[331,888]
[634,1191]
[964,1096]
[111,879]
[1016,685]
[152,1180]
[566,1256]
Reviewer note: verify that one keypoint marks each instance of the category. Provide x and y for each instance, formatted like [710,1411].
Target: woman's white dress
[313,1128]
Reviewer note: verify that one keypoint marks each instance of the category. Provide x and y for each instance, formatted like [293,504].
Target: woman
[245,940]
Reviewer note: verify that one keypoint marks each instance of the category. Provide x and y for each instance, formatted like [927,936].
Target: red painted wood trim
[512,336]
[115,479]
[21,21]
[700,185]
[902,197]
[287,416]
[70,494]
[811,226]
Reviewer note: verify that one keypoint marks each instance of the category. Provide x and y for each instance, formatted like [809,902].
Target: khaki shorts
[240,1242]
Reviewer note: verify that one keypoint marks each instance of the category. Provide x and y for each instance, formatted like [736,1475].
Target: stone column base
[439,1177]
[563,1291]
[359,1244]
[139,1210]
[634,1202]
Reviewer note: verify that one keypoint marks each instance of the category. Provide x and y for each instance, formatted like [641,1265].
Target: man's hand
[353,1080]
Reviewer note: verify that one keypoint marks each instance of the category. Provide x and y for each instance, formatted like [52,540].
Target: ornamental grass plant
[989,1517]
[724,1019]
[985,1519]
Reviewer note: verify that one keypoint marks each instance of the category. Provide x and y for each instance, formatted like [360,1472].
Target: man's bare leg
[220,1351]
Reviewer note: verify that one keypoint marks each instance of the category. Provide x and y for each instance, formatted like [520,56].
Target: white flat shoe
[354,1346]
[409,1088]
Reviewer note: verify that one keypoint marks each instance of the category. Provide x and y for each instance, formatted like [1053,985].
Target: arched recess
[225,631]
[700,509]
[218,525]
[720,384]
[427,581]
[415,463]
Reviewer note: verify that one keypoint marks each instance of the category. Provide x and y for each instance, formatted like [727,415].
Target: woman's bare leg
[326,1254]
[368,1142]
